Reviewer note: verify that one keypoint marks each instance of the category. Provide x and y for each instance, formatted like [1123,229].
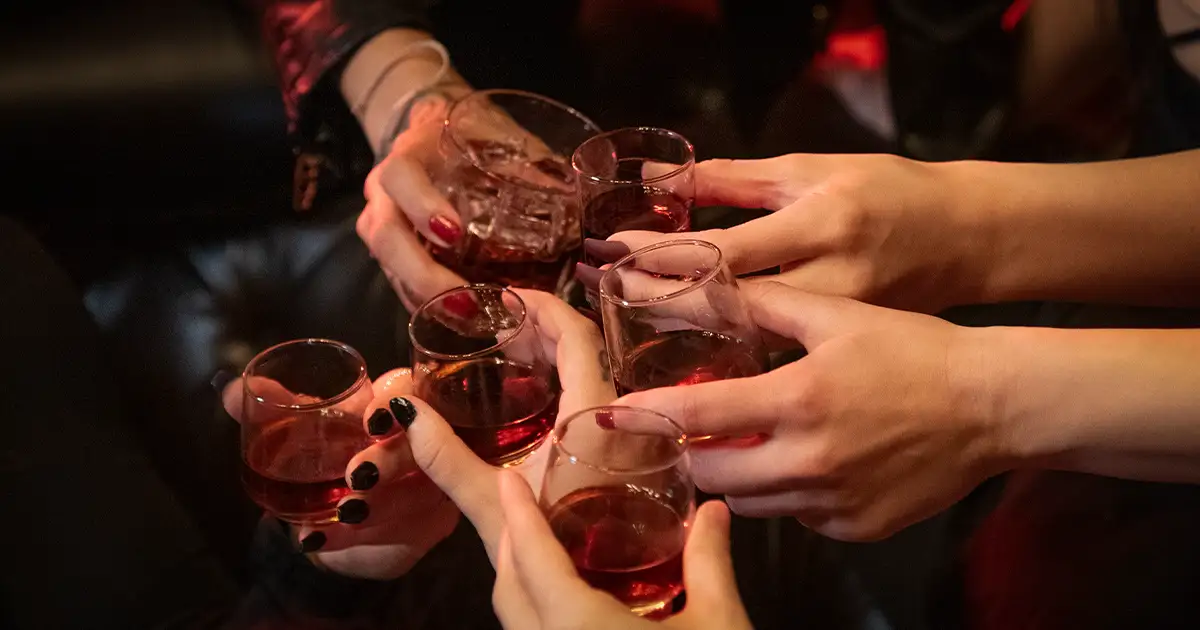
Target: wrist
[968,201]
[981,383]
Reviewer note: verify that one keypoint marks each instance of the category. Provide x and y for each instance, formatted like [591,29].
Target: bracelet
[405,54]
[398,120]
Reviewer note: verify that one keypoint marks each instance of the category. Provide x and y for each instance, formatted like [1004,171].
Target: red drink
[625,541]
[296,467]
[501,409]
[635,208]
[484,261]
[686,357]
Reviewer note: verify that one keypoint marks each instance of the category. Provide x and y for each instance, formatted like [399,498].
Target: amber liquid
[483,261]
[501,409]
[625,541]
[295,468]
[635,208]
[687,357]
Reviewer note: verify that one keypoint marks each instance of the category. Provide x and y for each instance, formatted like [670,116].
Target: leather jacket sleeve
[311,41]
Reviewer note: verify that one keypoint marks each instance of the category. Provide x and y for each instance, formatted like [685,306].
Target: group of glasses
[617,489]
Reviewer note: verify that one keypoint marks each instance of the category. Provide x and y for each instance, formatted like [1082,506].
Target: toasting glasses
[479,364]
[506,171]
[619,496]
[303,405]
[673,316]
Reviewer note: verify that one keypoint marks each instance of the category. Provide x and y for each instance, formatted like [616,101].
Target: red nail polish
[605,420]
[461,304]
[445,229]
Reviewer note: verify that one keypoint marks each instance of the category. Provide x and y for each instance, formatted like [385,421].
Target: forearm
[1123,232]
[1122,403]
[370,64]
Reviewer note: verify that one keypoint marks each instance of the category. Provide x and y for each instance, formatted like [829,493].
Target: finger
[752,467]
[806,503]
[410,269]
[270,391]
[543,566]
[386,461]
[578,348]
[708,568]
[509,599]
[386,528]
[407,184]
[383,417]
[727,408]
[743,183]
[807,317]
[467,480]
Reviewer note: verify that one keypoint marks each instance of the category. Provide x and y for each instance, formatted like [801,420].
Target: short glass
[506,170]
[673,316]
[619,496]
[637,178]
[302,422]
[480,364]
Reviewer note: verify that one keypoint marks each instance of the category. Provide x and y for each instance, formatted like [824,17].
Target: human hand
[887,421]
[394,514]
[537,585]
[577,350]
[877,228]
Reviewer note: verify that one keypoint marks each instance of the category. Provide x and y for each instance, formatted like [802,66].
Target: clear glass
[637,178]
[482,367]
[506,170]
[619,496]
[302,422]
[673,316]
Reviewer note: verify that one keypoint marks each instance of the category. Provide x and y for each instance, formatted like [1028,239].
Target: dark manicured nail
[380,423]
[608,251]
[220,380]
[312,542]
[461,305]
[353,512]
[588,275]
[605,420]
[403,410]
[364,477]
[445,229]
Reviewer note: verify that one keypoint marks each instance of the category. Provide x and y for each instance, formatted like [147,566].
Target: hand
[886,422]
[537,585]
[577,348]
[399,513]
[872,227]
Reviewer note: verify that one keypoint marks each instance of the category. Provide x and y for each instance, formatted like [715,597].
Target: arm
[1122,403]
[1124,231]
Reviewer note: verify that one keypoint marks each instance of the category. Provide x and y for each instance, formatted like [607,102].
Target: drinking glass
[303,406]
[506,170]
[618,494]
[479,364]
[673,316]
[637,178]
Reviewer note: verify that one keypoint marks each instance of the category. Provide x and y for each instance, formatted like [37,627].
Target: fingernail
[445,229]
[312,542]
[353,512]
[379,423]
[608,251]
[403,410]
[588,275]
[220,380]
[364,477]
[605,420]
[461,305]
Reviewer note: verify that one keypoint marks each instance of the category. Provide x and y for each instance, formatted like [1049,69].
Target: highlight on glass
[480,364]
[673,316]
[619,496]
[506,170]
[637,178]
[303,406]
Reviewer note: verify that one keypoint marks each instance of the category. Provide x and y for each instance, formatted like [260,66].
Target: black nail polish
[364,477]
[312,542]
[379,423]
[608,251]
[353,511]
[403,410]
[220,380]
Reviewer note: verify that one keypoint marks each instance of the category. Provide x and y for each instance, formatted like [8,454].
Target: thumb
[708,572]
[469,481]
[809,318]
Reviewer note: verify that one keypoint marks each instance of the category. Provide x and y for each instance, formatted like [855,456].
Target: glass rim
[441,356]
[699,282]
[446,129]
[596,179]
[358,383]
[560,428]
